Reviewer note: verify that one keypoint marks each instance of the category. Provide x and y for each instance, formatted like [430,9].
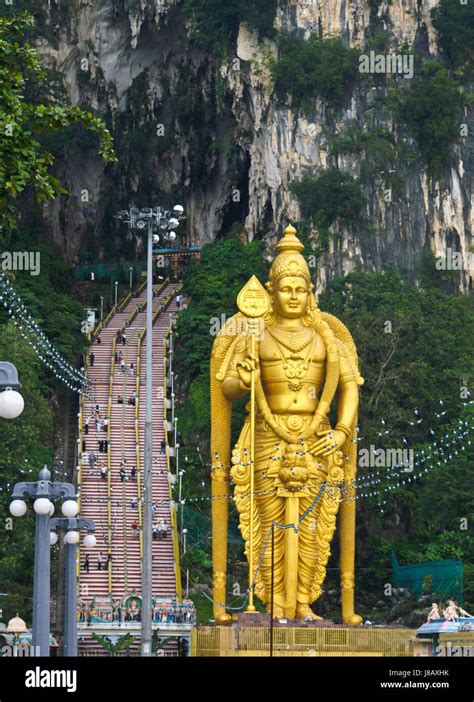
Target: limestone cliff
[204,126]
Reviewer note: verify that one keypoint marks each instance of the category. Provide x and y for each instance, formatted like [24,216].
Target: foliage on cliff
[23,161]
[217,22]
[317,68]
[330,196]
[454,22]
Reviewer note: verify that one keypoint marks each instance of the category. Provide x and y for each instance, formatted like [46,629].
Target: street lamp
[11,402]
[101,309]
[131,278]
[72,526]
[116,292]
[42,491]
[184,532]
[157,222]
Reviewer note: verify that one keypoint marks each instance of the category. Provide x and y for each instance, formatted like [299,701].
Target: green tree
[25,447]
[454,22]
[332,195]
[217,22]
[415,346]
[431,108]
[317,68]
[23,161]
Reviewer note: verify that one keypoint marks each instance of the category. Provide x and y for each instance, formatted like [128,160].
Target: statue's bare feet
[304,611]
[352,619]
[223,619]
[278,612]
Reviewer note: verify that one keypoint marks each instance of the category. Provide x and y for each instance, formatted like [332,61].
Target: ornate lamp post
[11,402]
[72,526]
[43,491]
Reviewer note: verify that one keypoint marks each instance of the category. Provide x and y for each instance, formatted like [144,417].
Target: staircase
[115,502]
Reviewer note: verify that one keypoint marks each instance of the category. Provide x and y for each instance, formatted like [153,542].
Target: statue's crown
[289,261]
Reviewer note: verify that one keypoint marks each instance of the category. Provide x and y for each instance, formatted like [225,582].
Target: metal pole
[70,614]
[272,586]
[131,279]
[147,487]
[41,587]
[116,291]
[101,309]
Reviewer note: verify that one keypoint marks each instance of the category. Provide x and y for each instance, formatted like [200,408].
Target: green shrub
[376,149]
[216,22]
[431,108]
[454,23]
[317,68]
[330,196]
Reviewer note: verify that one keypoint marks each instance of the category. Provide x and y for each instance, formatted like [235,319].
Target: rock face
[205,127]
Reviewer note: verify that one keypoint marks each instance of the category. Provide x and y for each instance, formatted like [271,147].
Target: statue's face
[291,297]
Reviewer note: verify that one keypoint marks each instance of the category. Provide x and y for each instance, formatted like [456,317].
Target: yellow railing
[174,521]
[96,331]
[130,319]
[298,641]
[162,286]
[79,464]
[141,287]
[137,447]
[108,318]
[156,293]
[109,477]
[141,336]
[125,301]
[137,403]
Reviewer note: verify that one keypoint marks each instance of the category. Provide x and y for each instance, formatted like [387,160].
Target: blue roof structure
[441,626]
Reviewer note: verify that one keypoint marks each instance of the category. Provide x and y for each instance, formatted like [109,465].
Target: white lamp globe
[178,209]
[172,236]
[72,537]
[51,511]
[53,538]
[42,506]
[90,541]
[18,508]
[69,508]
[11,404]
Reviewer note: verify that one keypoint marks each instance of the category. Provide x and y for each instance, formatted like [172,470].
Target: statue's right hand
[245,368]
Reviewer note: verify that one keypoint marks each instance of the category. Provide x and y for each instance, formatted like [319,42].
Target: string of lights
[371,484]
[44,350]
[368,485]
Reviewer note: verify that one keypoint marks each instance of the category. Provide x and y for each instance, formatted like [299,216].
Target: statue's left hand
[330,441]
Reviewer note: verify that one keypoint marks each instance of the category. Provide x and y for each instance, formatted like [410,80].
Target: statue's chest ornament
[295,364]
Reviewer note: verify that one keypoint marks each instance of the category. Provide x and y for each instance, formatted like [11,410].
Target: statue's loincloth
[283,470]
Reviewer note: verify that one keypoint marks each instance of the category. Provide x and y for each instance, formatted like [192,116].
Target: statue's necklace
[291,338]
[294,367]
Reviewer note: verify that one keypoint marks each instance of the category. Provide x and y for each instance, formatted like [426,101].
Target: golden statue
[289,467]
